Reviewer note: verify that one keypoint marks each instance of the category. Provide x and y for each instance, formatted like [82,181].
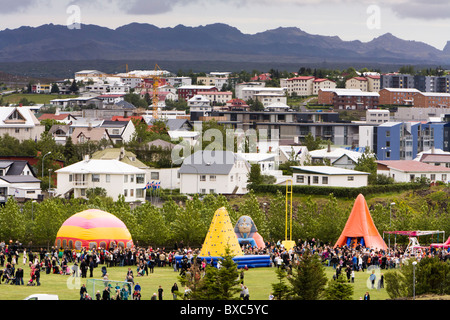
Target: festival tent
[360,228]
[93,228]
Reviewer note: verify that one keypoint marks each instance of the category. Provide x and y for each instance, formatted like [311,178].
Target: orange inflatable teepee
[360,228]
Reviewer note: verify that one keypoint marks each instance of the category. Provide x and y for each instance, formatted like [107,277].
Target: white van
[42,296]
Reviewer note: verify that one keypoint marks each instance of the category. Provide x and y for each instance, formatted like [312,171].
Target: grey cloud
[10,6]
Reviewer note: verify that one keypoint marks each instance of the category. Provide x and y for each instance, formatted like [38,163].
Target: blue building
[398,140]
[404,140]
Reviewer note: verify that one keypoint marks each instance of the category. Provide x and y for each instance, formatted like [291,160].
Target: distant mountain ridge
[140,41]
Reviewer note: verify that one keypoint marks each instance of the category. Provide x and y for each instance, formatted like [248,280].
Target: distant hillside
[214,42]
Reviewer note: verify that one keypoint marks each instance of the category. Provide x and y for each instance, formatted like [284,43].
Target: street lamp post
[390,223]
[43,158]
[414,279]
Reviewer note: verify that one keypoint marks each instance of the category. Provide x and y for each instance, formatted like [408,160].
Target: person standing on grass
[160,293]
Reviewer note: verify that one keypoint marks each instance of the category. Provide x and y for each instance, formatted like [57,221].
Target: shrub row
[339,192]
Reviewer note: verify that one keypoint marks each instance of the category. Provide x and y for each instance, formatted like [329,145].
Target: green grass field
[36,98]
[258,280]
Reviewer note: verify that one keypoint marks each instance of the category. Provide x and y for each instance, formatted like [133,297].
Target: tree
[280,289]
[312,143]
[339,289]
[367,163]
[55,88]
[308,279]
[74,87]
[219,283]
[254,176]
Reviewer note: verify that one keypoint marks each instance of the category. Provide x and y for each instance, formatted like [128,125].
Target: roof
[335,153]
[114,154]
[327,170]
[412,166]
[256,157]
[410,90]
[29,120]
[301,78]
[60,116]
[161,143]
[94,134]
[433,157]
[210,162]
[358,78]
[99,166]
[322,80]
[20,179]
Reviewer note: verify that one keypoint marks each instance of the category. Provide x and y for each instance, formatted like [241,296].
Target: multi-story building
[398,140]
[301,86]
[398,96]
[357,83]
[396,80]
[187,92]
[377,116]
[320,84]
[294,125]
[217,97]
[266,95]
[373,83]
[432,99]
[355,100]
[20,123]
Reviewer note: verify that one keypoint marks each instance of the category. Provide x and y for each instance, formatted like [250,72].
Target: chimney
[57,112]
[122,153]
[329,146]
[86,157]
[89,126]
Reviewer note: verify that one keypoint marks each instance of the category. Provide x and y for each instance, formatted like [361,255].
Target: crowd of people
[143,261]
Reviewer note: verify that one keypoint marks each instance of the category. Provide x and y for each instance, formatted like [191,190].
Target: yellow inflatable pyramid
[220,234]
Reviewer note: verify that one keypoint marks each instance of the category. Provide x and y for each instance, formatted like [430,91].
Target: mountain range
[213,42]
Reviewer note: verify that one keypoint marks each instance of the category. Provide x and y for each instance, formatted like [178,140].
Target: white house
[213,171]
[292,153]
[119,131]
[18,180]
[338,157]
[410,170]
[329,176]
[116,177]
[20,123]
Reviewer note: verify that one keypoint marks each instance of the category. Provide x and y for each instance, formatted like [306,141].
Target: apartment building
[357,83]
[398,96]
[301,86]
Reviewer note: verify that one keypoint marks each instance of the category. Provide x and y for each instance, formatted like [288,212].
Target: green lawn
[36,98]
[258,280]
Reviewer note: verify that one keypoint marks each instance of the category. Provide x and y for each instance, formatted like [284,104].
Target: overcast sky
[421,20]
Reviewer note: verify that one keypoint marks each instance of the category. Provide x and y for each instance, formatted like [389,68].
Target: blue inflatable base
[251,261]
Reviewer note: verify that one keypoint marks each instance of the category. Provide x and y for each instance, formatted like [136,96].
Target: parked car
[42,296]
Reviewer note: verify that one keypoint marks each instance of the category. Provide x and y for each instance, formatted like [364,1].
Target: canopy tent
[360,228]
[413,235]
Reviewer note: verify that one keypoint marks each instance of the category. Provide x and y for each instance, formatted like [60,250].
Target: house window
[95,178]
[300,179]
[202,178]
[388,133]
[324,180]
[212,178]
[154,175]
[70,176]
[125,178]
[125,192]
[231,178]
[433,177]
[131,177]
[350,178]
[315,179]
[444,177]
[212,191]
[139,193]
[203,191]
[108,178]
[131,192]
[140,178]
[83,192]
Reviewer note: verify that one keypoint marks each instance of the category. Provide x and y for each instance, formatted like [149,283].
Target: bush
[338,192]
